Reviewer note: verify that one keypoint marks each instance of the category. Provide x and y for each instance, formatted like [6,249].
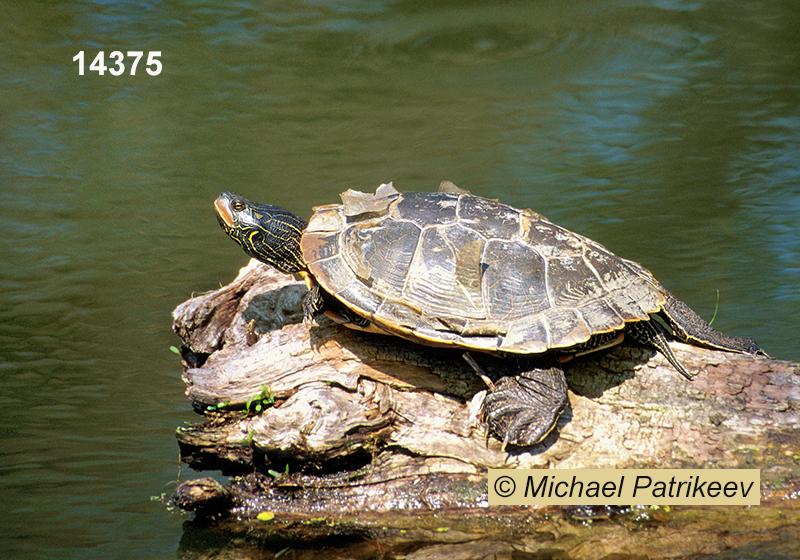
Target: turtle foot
[524,409]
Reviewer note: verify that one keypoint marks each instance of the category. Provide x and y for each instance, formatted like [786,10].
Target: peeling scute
[380,255]
[357,203]
[326,219]
[468,249]
[452,188]
[433,282]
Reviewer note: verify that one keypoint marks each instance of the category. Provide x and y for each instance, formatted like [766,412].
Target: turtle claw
[478,370]
[524,409]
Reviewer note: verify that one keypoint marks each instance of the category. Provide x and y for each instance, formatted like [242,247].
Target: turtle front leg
[313,302]
[523,409]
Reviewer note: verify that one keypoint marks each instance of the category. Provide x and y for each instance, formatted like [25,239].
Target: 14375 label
[117,66]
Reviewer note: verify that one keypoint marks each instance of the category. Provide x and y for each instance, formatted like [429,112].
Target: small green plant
[259,402]
[716,308]
[217,407]
[276,474]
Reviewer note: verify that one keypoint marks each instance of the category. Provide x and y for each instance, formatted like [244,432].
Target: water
[668,131]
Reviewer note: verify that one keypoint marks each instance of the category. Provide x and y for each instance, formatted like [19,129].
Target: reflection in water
[667,131]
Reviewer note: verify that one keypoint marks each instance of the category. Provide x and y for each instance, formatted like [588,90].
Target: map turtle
[452,269]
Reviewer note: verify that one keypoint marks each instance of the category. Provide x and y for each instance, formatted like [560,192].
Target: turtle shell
[450,268]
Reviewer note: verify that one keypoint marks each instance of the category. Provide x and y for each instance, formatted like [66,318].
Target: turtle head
[265,232]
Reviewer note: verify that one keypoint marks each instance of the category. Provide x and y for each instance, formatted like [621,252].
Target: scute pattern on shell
[457,269]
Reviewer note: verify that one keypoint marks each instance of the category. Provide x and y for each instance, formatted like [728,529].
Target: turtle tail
[690,327]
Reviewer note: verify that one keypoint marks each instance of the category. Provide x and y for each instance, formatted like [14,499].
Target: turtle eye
[237,205]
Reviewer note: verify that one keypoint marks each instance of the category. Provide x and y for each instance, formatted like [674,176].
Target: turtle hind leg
[690,327]
[523,409]
[651,333]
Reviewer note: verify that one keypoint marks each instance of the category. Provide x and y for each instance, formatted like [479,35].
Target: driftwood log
[319,421]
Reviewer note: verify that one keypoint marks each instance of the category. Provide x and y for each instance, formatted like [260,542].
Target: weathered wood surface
[368,423]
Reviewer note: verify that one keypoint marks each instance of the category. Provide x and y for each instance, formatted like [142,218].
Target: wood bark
[366,422]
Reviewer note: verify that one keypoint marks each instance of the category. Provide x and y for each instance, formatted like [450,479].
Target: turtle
[452,269]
